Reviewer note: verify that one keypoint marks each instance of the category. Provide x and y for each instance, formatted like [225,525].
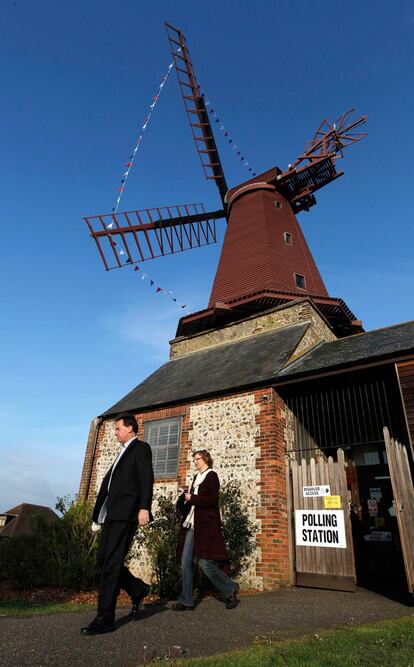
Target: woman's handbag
[182,506]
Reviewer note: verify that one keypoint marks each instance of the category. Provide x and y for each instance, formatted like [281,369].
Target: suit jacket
[131,485]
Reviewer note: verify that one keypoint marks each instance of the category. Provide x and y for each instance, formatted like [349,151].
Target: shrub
[21,561]
[238,529]
[62,553]
[160,541]
[72,546]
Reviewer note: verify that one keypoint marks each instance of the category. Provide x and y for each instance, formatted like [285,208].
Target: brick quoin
[274,566]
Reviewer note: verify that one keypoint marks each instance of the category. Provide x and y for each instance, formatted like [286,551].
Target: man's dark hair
[129,420]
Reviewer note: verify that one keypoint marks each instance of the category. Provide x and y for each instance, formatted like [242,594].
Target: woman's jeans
[217,577]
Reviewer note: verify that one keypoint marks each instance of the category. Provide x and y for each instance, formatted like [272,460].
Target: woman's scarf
[199,479]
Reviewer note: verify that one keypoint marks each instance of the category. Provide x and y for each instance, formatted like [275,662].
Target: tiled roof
[260,359]
[396,340]
[239,364]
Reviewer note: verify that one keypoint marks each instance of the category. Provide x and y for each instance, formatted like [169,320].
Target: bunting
[128,165]
[145,276]
[226,134]
[158,290]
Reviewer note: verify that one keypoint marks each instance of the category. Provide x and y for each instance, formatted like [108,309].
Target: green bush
[21,561]
[238,529]
[71,546]
[160,540]
[62,553]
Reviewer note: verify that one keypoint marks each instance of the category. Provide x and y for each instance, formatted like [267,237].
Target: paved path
[54,640]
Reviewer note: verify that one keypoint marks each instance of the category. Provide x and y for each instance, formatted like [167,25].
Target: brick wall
[89,456]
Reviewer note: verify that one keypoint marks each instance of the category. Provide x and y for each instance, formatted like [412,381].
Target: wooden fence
[323,566]
[403,492]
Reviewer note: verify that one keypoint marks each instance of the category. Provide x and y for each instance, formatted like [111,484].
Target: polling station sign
[320,528]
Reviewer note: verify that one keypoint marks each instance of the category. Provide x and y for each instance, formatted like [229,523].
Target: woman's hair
[205,455]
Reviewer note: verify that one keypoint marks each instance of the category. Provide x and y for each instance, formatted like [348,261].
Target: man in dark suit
[123,503]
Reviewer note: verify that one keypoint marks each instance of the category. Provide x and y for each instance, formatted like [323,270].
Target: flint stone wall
[228,430]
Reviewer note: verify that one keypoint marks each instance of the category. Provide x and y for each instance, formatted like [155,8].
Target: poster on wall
[332,502]
[320,528]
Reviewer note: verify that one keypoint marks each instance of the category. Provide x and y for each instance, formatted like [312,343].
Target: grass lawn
[389,644]
[23,608]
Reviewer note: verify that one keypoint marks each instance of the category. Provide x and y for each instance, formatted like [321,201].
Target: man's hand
[187,496]
[96,527]
[143,517]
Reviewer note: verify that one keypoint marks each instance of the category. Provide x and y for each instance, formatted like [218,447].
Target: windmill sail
[135,236]
[196,110]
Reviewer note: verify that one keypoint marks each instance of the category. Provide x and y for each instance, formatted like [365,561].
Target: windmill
[265,260]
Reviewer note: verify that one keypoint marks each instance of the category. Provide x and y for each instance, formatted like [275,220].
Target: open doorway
[379,562]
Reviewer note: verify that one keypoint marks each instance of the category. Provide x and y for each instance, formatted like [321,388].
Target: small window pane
[366,455]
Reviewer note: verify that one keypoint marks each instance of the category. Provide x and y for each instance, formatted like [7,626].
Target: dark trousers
[115,540]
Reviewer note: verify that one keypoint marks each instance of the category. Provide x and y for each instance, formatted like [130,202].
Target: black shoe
[137,601]
[99,625]
[177,606]
[233,600]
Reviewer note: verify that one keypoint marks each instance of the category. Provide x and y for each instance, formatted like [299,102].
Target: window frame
[158,423]
[299,275]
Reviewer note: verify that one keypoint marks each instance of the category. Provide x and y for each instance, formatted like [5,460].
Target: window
[366,455]
[288,238]
[278,204]
[300,281]
[163,436]
[2,520]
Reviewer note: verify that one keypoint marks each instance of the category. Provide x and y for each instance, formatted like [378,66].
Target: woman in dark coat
[201,536]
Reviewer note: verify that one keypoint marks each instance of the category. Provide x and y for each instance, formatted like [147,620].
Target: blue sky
[77,79]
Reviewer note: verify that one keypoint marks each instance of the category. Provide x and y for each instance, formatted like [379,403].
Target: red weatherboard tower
[265,260]
[264,247]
